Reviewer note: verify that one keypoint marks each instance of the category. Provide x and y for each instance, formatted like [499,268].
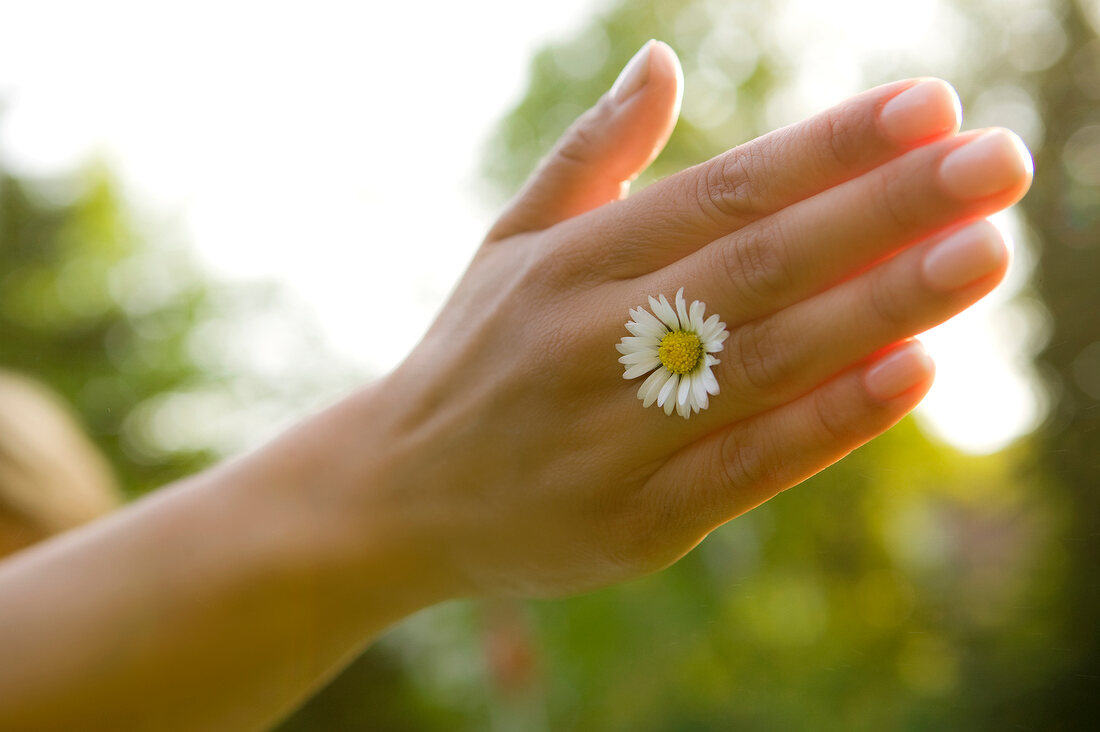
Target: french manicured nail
[927,109]
[987,164]
[964,256]
[898,372]
[634,75]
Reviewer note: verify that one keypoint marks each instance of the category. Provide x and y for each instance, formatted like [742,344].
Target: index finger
[688,210]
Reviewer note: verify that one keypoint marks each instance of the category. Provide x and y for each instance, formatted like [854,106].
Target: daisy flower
[676,344]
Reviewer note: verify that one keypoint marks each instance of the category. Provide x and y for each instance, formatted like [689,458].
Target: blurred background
[202,204]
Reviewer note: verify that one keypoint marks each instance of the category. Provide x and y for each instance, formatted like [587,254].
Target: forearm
[218,603]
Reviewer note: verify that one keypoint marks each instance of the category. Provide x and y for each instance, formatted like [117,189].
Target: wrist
[323,498]
[381,545]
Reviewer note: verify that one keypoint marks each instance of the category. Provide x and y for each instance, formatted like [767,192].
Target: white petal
[656,332]
[707,340]
[683,410]
[648,354]
[713,346]
[709,381]
[645,330]
[711,328]
[681,309]
[697,309]
[711,361]
[684,390]
[644,341]
[699,388]
[665,312]
[691,393]
[646,319]
[652,386]
[641,368]
[624,349]
[666,391]
[660,375]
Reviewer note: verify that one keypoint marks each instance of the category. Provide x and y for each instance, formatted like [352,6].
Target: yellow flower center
[680,351]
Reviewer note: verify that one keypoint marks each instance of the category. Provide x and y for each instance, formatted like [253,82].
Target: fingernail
[898,372]
[633,76]
[964,256]
[928,109]
[988,164]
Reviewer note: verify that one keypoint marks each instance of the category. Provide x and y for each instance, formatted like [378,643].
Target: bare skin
[507,455]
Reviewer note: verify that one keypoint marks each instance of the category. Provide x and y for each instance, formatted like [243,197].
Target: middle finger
[821,241]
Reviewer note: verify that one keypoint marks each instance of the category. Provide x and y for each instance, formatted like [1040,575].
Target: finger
[686,211]
[737,468]
[813,244]
[773,360]
[605,149]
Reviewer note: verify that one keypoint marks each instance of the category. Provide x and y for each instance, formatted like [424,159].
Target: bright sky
[333,147]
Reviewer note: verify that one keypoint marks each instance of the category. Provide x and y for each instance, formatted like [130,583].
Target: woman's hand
[507,455]
[513,444]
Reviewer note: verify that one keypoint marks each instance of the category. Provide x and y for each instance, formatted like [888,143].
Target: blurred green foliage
[1064,209]
[89,309]
[167,368]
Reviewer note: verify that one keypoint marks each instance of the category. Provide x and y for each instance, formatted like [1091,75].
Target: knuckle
[755,263]
[729,187]
[886,306]
[893,206]
[833,425]
[744,463]
[755,356]
[840,133]
[582,141]
[578,144]
[639,536]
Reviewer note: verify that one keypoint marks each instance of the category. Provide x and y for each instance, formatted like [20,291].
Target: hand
[514,446]
[507,455]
